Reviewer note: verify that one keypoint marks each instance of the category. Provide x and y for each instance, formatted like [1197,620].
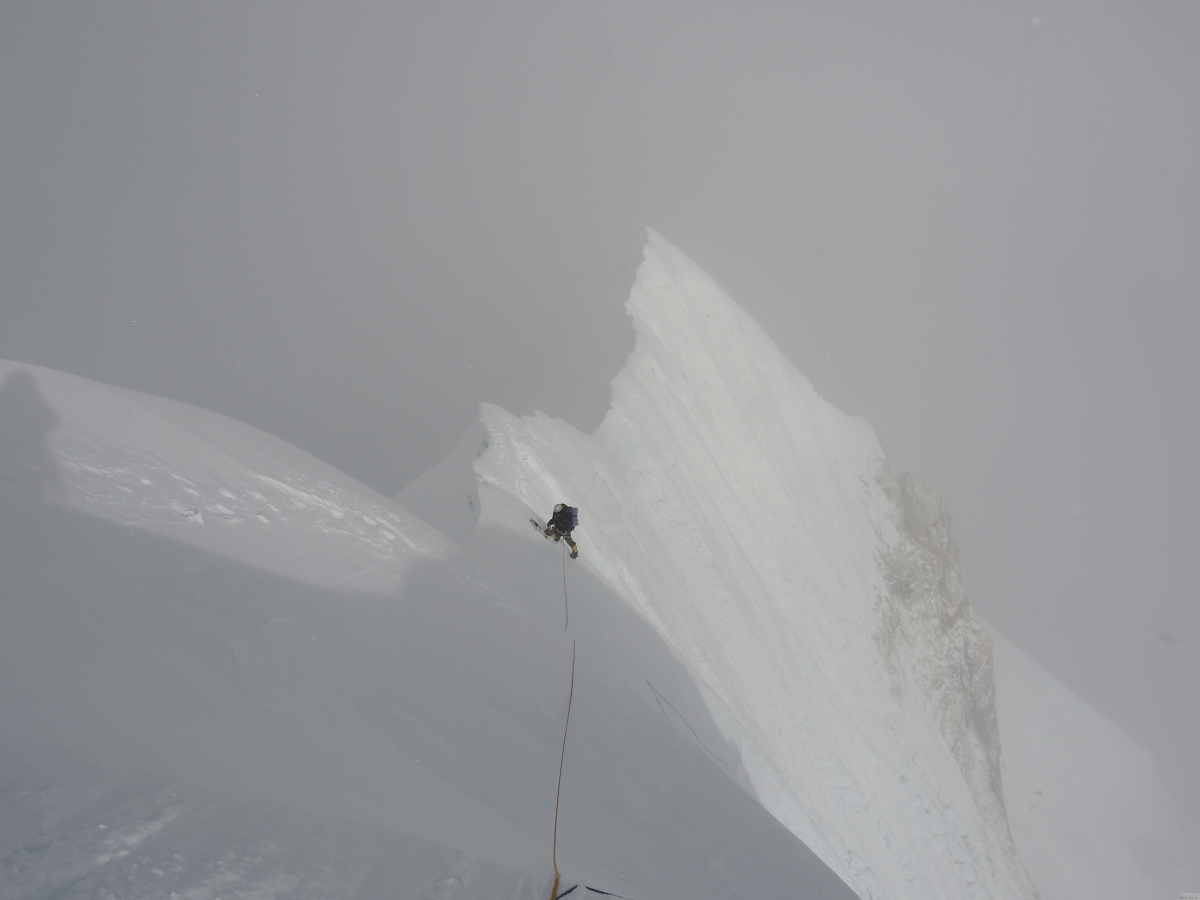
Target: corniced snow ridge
[818,599]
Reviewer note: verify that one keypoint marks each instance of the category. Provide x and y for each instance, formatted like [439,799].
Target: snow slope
[228,670]
[1088,812]
[818,598]
[748,520]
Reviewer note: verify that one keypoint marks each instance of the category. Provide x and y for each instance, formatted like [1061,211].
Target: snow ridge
[209,481]
[758,528]
[335,702]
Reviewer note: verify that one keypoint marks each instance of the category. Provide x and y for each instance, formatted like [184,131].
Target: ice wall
[760,530]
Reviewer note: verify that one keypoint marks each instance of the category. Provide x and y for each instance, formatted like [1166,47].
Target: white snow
[746,518]
[818,598]
[1088,812]
[146,462]
[285,701]
[229,670]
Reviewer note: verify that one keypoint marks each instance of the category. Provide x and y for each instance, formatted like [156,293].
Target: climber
[565,519]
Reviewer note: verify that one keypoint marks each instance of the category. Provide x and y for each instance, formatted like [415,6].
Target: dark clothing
[561,524]
[563,520]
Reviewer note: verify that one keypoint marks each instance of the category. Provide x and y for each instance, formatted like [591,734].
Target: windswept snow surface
[1088,812]
[819,599]
[230,671]
[750,521]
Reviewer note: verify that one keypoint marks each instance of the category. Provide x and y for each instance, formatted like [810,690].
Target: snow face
[202,479]
[820,602]
[759,530]
[337,701]
[1089,814]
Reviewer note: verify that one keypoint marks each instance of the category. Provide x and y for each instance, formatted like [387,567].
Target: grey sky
[977,225]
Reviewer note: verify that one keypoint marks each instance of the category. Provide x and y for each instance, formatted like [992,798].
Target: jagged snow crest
[759,529]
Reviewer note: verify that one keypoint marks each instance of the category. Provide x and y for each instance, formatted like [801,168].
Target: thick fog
[976,226]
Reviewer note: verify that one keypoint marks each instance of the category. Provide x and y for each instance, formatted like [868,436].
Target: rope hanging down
[558,794]
[554,894]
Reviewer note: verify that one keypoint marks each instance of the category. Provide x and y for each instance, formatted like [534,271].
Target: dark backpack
[566,518]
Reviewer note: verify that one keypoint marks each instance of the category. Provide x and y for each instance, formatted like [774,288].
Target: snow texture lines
[743,515]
